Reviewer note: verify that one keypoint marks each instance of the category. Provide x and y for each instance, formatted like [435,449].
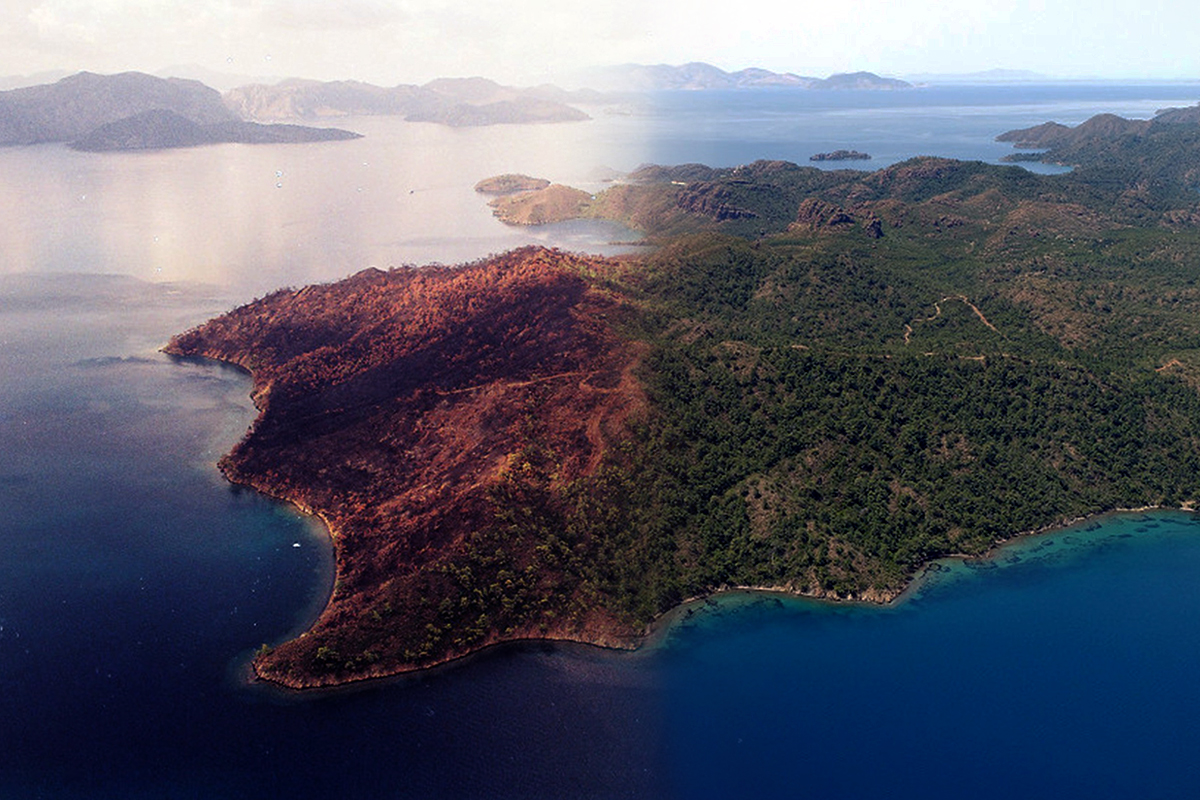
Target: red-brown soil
[450,425]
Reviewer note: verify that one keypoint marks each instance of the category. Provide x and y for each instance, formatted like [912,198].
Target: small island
[819,382]
[840,155]
[510,183]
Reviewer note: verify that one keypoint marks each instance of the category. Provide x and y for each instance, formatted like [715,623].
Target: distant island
[457,102]
[990,76]
[819,382]
[133,111]
[699,76]
[159,129]
[510,183]
[840,155]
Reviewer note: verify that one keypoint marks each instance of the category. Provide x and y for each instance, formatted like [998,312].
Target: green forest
[817,382]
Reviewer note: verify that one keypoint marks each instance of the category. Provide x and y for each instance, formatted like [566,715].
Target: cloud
[315,15]
[389,41]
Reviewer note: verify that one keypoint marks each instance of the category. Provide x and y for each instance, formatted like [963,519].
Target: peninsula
[820,381]
[158,129]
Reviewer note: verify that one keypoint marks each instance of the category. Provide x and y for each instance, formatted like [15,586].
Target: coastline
[247,667]
[593,628]
[659,628]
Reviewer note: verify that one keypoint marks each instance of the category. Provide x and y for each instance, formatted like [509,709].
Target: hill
[698,76]
[1148,166]
[133,111]
[154,130]
[453,427]
[78,104]
[458,102]
[877,370]
[553,203]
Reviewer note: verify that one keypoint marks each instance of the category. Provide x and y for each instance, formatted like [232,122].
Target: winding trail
[937,312]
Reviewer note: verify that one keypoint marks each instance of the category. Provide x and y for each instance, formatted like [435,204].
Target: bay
[134,583]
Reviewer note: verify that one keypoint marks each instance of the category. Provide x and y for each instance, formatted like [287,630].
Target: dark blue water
[134,583]
[1060,671]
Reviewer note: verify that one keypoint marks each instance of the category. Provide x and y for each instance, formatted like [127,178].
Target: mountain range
[136,111]
[698,75]
[76,105]
[459,102]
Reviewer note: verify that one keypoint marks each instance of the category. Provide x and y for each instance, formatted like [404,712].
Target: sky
[529,41]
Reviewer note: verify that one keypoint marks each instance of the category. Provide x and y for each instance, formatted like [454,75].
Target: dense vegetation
[1149,166]
[821,381]
[832,414]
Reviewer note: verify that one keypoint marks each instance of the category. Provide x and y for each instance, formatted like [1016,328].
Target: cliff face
[416,410]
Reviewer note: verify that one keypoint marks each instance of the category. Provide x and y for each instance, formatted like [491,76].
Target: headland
[820,382]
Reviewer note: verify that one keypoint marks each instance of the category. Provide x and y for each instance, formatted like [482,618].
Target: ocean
[135,583]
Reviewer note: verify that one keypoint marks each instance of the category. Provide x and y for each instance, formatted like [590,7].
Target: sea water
[1064,667]
[727,128]
[134,583]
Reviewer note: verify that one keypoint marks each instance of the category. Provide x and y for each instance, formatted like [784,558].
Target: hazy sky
[525,41]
